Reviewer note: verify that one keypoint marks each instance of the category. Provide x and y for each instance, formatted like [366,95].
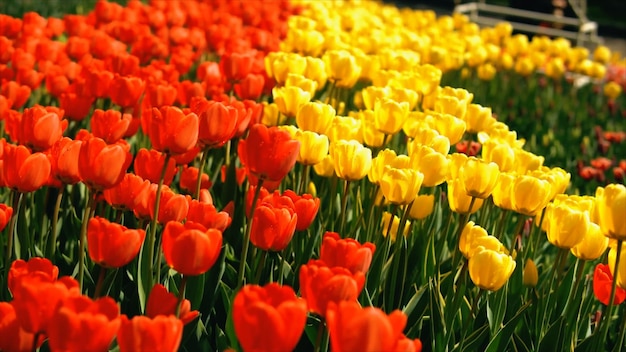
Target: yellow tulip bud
[313,147]
[459,201]
[490,269]
[593,245]
[373,93]
[400,186]
[271,115]
[326,167]
[290,99]
[567,226]
[345,128]
[611,207]
[307,85]
[279,64]
[479,177]
[433,165]
[395,224]
[501,194]
[342,68]
[389,115]
[530,195]
[422,206]
[372,137]
[352,160]
[315,117]
[311,189]
[500,153]
[384,158]
[530,275]
[316,70]
[612,90]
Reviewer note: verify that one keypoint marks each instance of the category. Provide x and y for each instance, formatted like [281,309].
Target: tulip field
[246,175]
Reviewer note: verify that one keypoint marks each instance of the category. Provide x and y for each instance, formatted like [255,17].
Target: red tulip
[602,284]
[149,166]
[110,125]
[172,131]
[320,285]
[126,90]
[64,160]
[263,193]
[112,245]
[6,212]
[189,179]
[75,104]
[306,206]
[97,82]
[208,216]
[36,299]
[161,302]
[268,153]
[251,87]
[159,334]
[123,195]
[161,94]
[236,66]
[172,206]
[353,328]
[18,95]
[346,253]
[268,318]
[80,324]
[272,226]
[12,336]
[187,90]
[43,268]
[218,124]
[40,128]
[191,249]
[102,166]
[23,171]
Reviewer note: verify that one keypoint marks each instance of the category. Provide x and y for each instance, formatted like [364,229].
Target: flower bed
[213,175]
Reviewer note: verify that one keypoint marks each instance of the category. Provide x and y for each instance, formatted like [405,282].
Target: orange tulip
[273,226]
[102,166]
[12,336]
[191,249]
[23,171]
[112,245]
[163,303]
[189,179]
[43,268]
[80,324]
[346,253]
[268,318]
[172,206]
[39,128]
[123,195]
[64,160]
[159,334]
[18,95]
[207,215]
[172,131]
[126,90]
[148,165]
[218,124]
[110,125]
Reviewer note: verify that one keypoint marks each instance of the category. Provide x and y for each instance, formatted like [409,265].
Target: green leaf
[503,337]
[195,290]
[496,309]
[553,340]
[144,276]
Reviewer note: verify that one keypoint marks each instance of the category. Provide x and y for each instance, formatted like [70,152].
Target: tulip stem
[181,294]
[620,340]
[17,198]
[35,346]
[321,341]
[52,238]
[305,179]
[344,206]
[205,156]
[246,238]
[259,269]
[153,224]
[91,194]
[100,282]
[604,324]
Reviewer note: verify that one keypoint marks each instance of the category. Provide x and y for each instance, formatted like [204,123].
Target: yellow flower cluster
[363,82]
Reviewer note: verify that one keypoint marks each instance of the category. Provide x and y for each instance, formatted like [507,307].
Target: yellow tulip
[384,158]
[478,177]
[373,93]
[527,161]
[474,236]
[422,206]
[612,90]
[403,95]
[449,126]
[530,276]
[500,153]
[271,115]
[501,194]
[352,160]
[313,147]
[486,71]
[459,201]
[457,160]
[478,118]
[433,165]
[429,79]
[279,65]
[400,186]
[342,68]
[593,245]
[326,167]
[395,224]
[307,85]
[315,117]
[372,137]
[316,70]
[602,54]
[490,269]
[524,66]
[555,68]
[567,226]
[611,209]
[530,195]
[290,99]
[389,116]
